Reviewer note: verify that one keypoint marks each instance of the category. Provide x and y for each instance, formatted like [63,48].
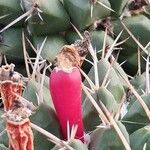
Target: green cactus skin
[138,25]
[121,73]
[131,64]
[137,81]
[106,138]
[147,9]
[30,93]
[118,6]
[139,138]
[11,45]
[107,99]
[97,38]
[45,117]
[52,46]
[89,111]
[80,12]
[4,142]
[115,86]
[136,117]
[2,147]
[75,144]
[90,115]
[55,18]
[12,9]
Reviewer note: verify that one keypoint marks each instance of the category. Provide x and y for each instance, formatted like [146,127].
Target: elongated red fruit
[65,88]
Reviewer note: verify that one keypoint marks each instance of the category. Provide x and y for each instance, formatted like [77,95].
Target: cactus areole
[65,88]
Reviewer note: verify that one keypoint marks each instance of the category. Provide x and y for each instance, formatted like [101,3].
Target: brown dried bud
[136,7]
[9,90]
[137,4]
[68,57]
[73,55]
[7,73]
[105,24]
[82,46]
[20,135]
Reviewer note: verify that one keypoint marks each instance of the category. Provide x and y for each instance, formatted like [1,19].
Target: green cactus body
[121,73]
[30,93]
[118,6]
[136,116]
[138,80]
[55,18]
[131,64]
[75,144]
[107,98]
[79,12]
[147,10]
[89,111]
[97,38]
[138,25]
[90,115]
[45,118]
[2,147]
[4,142]
[115,86]
[52,46]
[106,138]
[139,138]
[11,10]
[11,45]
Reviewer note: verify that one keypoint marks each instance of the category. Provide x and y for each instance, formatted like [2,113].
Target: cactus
[74,74]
